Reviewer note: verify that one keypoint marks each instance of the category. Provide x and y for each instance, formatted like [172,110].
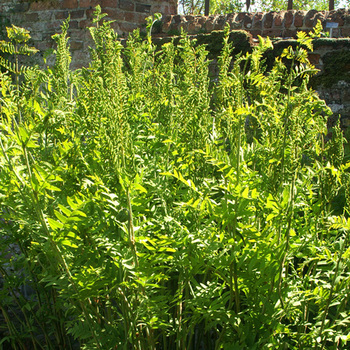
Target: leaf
[60,217]
[54,224]
[140,188]
[68,243]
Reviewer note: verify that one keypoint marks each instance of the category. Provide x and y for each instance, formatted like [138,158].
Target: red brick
[194,28]
[338,16]
[126,5]
[85,23]
[299,19]
[135,17]
[289,18]
[112,13]
[166,27]
[279,19]
[74,14]
[88,3]
[70,4]
[145,8]
[177,19]
[245,18]
[109,3]
[172,10]
[220,22]
[314,58]
[345,32]
[89,13]
[73,24]
[201,20]
[61,14]
[310,18]
[269,19]
[255,32]
[127,27]
[257,20]
[273,33]
[209,24]
[289,33]
[42,5]
[53,25]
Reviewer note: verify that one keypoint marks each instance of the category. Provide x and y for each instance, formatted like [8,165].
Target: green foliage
[196,7]
[147,206]
[16,46]
[278,5]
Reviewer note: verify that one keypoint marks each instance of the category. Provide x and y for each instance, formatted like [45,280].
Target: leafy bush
[148,206]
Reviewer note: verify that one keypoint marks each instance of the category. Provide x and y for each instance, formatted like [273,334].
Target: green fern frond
[27,50]
[304,39]
[7,47]
[18,34]
[11,67]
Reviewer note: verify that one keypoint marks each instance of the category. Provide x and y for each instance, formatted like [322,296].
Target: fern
[16,46]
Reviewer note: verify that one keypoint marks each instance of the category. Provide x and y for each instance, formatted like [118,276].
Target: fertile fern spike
[63,59]
[16,46]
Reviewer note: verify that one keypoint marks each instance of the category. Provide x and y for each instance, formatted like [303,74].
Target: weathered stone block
[126,5]
[32,17]
[126,28]
[255,32]
[74,14]
[289,33]
[272,32]
[145,8]
[345,32]
[220,22]
[61,14]
[177,19]
[209,24]
[76,45]
[257,20]
[279,18]
[88,3]
[108,3]
[289,17]
[310,18]
[268,21]
[73,24]
[85,23]
[299,19]
[247,19]
[70,4]
[42,5]
[338,16]
[21,7]
[314,58]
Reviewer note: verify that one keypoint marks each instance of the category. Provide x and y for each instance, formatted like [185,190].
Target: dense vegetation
[146,205]
[196,7]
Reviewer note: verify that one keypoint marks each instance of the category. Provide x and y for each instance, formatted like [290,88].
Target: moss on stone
[240,39]
[336,67]
[334,43]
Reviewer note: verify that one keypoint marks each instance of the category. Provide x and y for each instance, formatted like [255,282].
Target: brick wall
[331,56]
[43,19]
[274,24]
